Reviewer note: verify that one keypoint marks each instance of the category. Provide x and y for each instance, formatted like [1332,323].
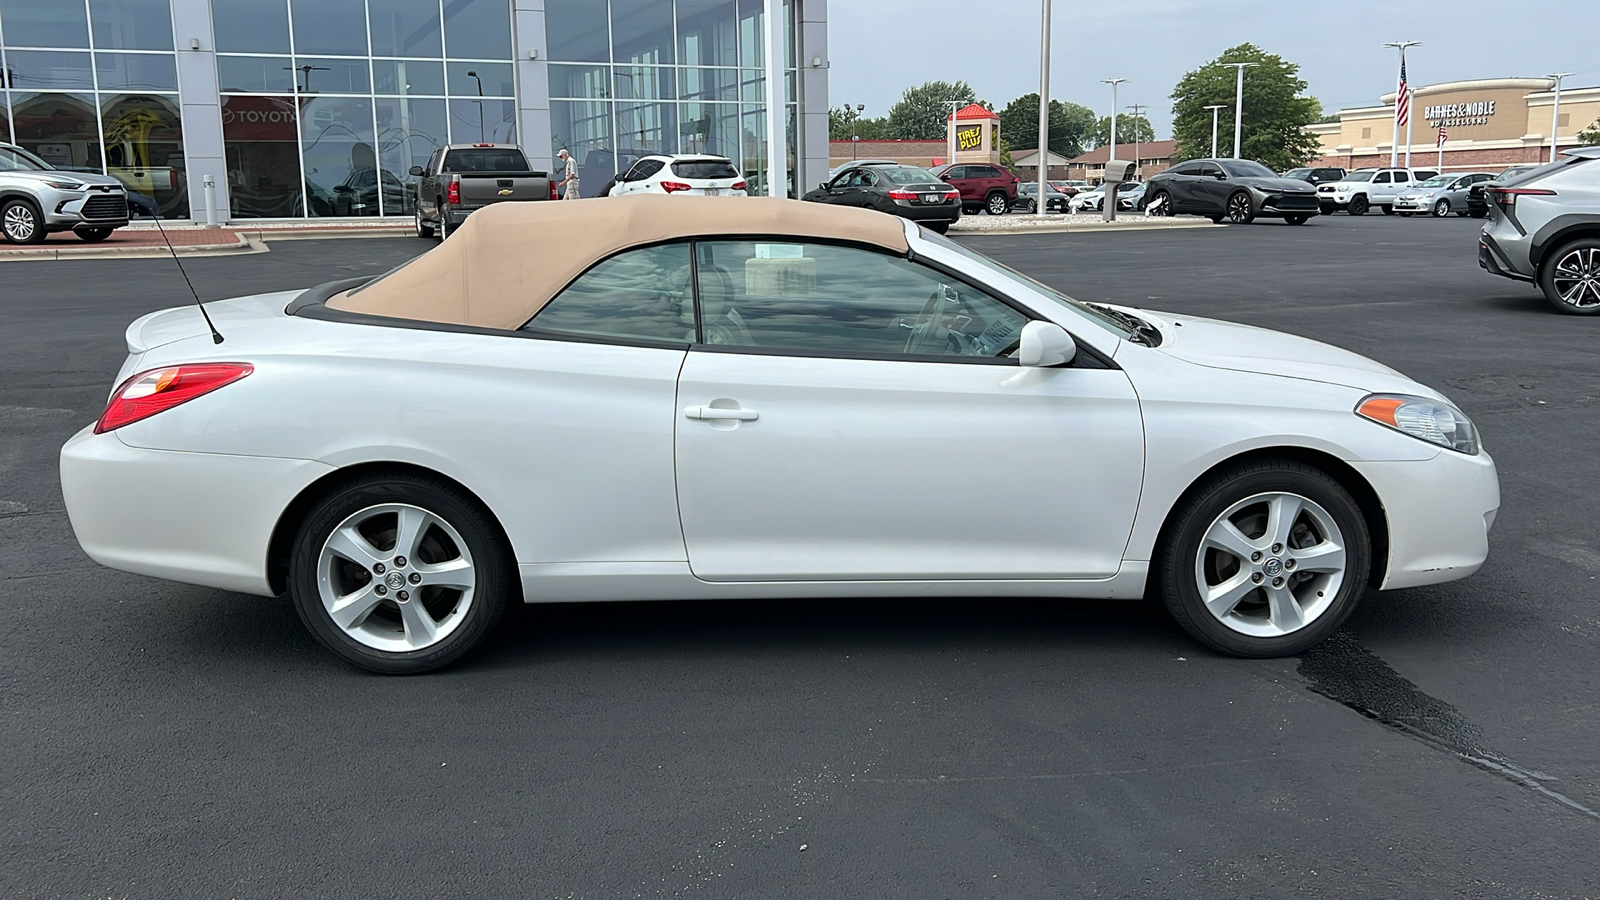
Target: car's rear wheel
[997,204]
[1241,209]
[398,574]
[1264,559]
[93,235]
[1570,277]
[1359,205]
[1477,213]
[20,222]
[1441,209]
[424,230]
[444,224]
[1033,206]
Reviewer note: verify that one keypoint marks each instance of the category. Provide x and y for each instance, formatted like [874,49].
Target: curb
[1085,227]
[241,246]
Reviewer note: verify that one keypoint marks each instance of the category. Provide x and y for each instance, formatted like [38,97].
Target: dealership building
[1488,124]
[318,108]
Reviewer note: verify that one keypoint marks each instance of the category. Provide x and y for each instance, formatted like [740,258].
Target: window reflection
[642,294]
[130,24]
[143,139]
[338,151]
[136,71]
[485,121]
[30,23]
[478,29]
[250,26]
[255,74]
[407,76]
[261,143]
[408,132]
[330,27]
[49,69]
[578,32]
[405,28]
[641,31]
[60,129]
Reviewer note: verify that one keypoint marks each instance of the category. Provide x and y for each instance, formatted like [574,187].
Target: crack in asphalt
[1349,674]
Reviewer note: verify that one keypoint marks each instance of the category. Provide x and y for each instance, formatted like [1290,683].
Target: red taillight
[553,195]
[1508,196]
[453,194]
[483,145]
[952,195]
[738,186]
[159,390]
[903,195]
[672,186]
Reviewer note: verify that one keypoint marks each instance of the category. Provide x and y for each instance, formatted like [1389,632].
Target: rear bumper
[1494,259]
[1439,513]
[946,212]
[198,518]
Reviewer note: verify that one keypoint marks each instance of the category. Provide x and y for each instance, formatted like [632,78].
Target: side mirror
[823,186]
[1220,176]
[416,171]
[1045,344]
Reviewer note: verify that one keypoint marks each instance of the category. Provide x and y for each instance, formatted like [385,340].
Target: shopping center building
[314,108]
[1488,124]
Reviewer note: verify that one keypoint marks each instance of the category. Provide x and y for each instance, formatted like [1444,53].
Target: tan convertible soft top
[509,259]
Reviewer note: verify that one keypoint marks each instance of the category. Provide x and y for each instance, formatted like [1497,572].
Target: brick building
[1154,156]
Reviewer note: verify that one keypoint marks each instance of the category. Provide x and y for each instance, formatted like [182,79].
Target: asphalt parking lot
[162,740]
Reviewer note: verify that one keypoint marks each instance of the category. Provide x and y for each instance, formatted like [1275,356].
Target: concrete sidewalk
[145,239]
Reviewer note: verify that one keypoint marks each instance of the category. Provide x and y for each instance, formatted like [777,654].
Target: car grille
[1295,201]
[1325,189]
[115,207]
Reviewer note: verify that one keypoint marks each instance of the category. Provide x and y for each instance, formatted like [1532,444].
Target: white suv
[682,173]
[1363,189]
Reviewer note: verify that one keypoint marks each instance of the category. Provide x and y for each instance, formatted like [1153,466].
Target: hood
[1245,348]
[1277,184]
[62,174]
[180,322]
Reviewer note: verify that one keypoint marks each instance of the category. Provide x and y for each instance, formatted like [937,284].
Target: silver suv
[36,198]
[1544,227]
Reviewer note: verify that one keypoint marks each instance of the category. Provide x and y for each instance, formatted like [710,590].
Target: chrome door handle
[712,413]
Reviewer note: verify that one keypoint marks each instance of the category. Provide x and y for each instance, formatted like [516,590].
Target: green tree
[1070,125]
[845,122]
[1275,112]
[922,111]
[1590,137]
[1130,129]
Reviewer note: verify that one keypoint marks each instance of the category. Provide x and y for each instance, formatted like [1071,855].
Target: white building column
[811,62]
[200,106]
[533,82]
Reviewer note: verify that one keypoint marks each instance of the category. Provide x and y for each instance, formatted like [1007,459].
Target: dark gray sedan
[1235,190]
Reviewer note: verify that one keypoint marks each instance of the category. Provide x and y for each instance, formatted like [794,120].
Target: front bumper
[198,518]
[1290,205]
[1413,204]
[93,208]
[1439,513]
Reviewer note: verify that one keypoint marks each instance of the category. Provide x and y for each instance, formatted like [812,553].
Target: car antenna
[216,336]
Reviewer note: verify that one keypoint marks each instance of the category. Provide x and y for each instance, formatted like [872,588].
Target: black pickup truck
[464,177]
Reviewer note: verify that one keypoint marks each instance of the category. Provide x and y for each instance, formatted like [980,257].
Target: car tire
[1033,206]
[1570,277]
[93,235]
[362,587]
[1388,210]
[424,230]
[1441,209]
[21,222]
[1359,205]
[1296,220]
[1477,214]
[1162,203]
[1263,602]
[997,204]
[1462,214]
[444,225]
[1327,209]
[1241,208]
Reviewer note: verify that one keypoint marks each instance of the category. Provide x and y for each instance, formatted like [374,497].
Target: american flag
[1443,136]
[1402,99]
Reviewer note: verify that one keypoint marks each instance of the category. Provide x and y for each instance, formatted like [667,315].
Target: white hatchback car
[700,398]
[688,174]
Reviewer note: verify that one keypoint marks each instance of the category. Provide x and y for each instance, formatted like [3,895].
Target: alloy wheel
[1577,278]
[1239,211]
[1442,208]
[1271,564]
[998,205]
[20,224]
[396,577]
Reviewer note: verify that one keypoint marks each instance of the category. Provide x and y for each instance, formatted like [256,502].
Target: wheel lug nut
[1288,564]
[399,562]
[1256,556]
[415,578]
[1277,548]
[1276,582]
[379,568]
[1256,577]
[404,595]
[381,590]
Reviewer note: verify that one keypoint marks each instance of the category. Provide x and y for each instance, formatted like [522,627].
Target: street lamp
[306,70]
[1402,86]
[1113,82]
[951,140]
[474,76]
[854,137]
[1137,108]
[1214,127]
[1555,116]
[1238,103]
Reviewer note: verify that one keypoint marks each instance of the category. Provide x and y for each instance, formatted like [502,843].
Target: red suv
[982,185]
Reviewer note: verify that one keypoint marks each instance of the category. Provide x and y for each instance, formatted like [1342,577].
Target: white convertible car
[655,398]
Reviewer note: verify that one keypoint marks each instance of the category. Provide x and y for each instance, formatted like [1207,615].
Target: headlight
[64,185]
[1424,419]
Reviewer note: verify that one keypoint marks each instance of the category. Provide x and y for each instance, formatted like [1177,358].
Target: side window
[633,174]
[1400,177]
[1381,178]
[1187,169]
[433,161]
[982,172]
[831,300]
[1209,170]
[641,294]
[955,172]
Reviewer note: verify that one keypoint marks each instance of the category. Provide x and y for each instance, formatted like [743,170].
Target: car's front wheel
[1160,204]
[1264,559]
[1441,209]
[1570,277]
[1358,205]
[1241,209]
[424,230]
[398,574]
[20,222]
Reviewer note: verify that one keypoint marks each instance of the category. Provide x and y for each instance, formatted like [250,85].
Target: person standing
[569,176]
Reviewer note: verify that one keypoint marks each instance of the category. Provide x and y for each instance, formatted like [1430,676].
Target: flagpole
[1394,145]
[1408,110]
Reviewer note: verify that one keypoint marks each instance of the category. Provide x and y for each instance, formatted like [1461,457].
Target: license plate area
[932,198]
[713,192]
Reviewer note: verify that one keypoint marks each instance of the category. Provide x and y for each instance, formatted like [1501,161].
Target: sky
[878,48]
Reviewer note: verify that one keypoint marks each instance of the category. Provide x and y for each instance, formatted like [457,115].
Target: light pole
[1555,116]
[1214,127]
[1042,207]
[1113,82]
[1402,87]
[950,137]
[854,137]
[1136,107]
[1238,104]
[474,76]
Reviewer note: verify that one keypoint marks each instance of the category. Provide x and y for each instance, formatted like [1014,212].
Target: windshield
[1437,181]
[16,159]
[1297,173]
[1360,176]
[1094,315]
[487,160]
[705,168]
[908,175]
[1244,168]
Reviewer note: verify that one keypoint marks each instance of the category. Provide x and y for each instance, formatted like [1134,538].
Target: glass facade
[320,107]
[92,86]
[629,78]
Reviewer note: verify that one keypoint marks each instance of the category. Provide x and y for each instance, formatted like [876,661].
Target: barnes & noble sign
[1450,115]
